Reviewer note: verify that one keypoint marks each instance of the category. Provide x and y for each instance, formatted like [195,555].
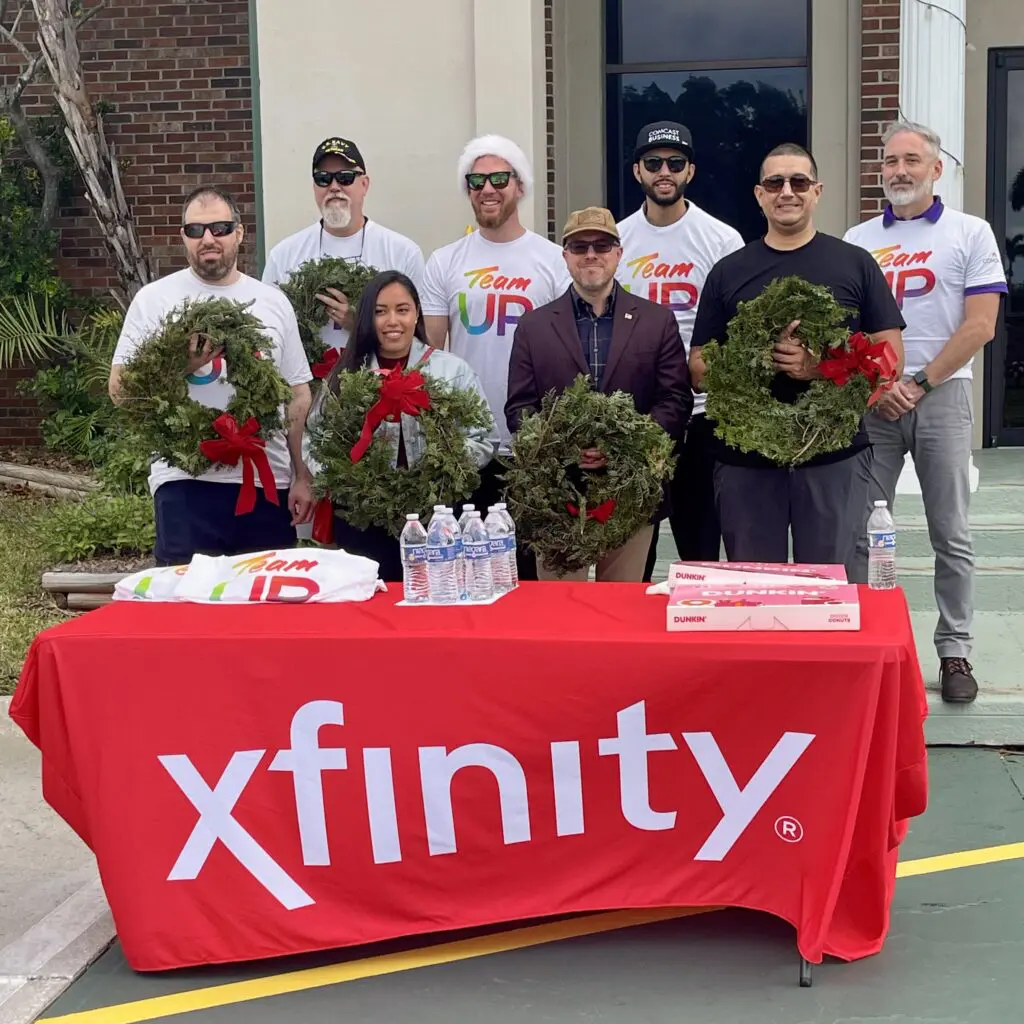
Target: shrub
[101,525]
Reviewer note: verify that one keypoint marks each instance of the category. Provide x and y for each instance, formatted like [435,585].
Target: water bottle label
[415,556]
[441,555]
[882,540]
[478,551]
[498,545]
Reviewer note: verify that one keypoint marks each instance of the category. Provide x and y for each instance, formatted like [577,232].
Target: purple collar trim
[932,214]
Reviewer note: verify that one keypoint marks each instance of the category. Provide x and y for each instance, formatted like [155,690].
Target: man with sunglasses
[197,514]
[822,501]
[669,246]
[340,185]
[477,289]
[620,340]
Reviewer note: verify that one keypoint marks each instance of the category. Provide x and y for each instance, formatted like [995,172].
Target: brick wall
[178,75]
[879,94]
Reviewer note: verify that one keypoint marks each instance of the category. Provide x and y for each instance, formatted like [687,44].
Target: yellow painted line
[451,952]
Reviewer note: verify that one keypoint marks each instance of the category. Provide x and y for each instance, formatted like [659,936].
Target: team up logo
[663,282]
[274,579]
[505,302]
[213,374]
[905,272]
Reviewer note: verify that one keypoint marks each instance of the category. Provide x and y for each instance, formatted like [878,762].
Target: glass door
[1004,357]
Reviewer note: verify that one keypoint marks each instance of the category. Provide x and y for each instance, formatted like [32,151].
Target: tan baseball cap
[593,218]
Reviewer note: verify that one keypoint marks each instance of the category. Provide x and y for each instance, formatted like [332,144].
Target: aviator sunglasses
[217,228]
[676,164]
[324,178]
[799,183]
[499,179]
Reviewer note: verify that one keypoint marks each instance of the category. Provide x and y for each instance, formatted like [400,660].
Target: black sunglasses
[676,164]
[324,178]
[601,246]
[799,183]
[499,179]
[217,228]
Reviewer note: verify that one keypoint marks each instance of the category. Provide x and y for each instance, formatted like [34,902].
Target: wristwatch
[921,380]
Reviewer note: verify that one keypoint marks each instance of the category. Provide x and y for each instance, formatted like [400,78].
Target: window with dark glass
[736,79]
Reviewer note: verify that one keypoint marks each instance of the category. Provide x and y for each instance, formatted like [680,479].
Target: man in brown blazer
[623,342]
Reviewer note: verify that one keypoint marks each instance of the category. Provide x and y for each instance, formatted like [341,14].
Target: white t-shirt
[373,246]
[931,263]
[669,265]
[209,386]
[484,288]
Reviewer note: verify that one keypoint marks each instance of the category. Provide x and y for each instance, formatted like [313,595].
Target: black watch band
[921,380]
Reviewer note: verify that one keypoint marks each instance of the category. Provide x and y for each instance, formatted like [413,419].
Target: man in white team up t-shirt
[340,186]
[669,246]
[197,514]
[946,272]
[476,290]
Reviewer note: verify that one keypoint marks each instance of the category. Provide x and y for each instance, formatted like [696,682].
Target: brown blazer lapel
[563,319]
[622,329]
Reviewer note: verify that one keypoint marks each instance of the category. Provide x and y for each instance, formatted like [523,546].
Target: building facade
[572,81]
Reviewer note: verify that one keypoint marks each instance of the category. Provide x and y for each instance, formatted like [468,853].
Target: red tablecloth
[558,751]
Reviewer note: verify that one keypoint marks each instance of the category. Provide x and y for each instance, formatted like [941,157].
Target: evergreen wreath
[572,517]
[363,486]
[313,278]
[739,375]
[163,421]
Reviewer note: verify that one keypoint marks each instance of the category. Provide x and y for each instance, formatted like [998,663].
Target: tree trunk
[36,152]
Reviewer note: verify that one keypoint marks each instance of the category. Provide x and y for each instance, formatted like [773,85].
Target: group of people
[631,304]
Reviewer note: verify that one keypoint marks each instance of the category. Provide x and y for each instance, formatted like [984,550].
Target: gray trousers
[823,505]
[937,433]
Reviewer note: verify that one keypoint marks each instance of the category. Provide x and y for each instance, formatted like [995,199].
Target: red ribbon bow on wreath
[399,393]
[602,513]
[326,364]
[874,360]
[240,442]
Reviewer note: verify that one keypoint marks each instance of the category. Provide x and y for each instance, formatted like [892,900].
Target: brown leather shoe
[958,683]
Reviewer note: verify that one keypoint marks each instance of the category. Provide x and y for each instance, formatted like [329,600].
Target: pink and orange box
[760,596]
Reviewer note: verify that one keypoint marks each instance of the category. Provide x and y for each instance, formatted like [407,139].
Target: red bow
[326,364]
[323,521]
[242,443]
[874,360]
[399,393]
[602,513]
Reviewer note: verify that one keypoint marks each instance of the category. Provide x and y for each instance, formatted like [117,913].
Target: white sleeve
[292,361]
[851,235]
[138,325]
[433,294]
[984,265]
[732,242]
[560,278]
[272,271]
[414,267]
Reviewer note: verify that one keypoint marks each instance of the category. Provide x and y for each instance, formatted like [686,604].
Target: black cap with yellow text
[336,146]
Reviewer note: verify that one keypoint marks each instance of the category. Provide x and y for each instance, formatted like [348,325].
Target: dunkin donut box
[764,607]
[749,573]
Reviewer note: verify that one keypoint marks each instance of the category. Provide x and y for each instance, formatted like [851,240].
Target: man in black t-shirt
[822,500]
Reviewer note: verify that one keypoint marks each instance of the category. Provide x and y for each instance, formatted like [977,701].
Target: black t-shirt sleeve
[712,319]
[879,310]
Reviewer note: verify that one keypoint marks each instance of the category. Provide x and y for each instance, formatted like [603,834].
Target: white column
[508,40]
[933,42]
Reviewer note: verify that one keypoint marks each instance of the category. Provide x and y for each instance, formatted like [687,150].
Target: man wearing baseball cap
[624,342]
[340,185]
[669,246]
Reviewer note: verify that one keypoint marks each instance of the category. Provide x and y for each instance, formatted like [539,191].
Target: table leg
[805,973]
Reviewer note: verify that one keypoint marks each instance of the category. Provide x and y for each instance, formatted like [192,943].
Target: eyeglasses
[324,178]
[799,183]
[217,228]
[499,179]
[676,164]
[602,247]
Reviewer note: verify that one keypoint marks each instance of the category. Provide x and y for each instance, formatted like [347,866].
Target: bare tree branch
[36,151]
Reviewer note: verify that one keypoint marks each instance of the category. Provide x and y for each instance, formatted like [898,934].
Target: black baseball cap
[663,134]
[335,146]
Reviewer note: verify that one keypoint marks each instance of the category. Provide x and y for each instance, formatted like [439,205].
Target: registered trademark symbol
[788,829]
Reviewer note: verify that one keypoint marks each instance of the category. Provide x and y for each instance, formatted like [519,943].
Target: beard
[904,193]
[660,200]
[218,269]
[337,214]
[495,218]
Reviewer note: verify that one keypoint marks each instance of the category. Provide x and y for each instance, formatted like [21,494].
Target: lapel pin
[628,316]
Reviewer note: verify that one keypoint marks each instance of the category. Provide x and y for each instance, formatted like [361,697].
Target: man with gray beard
[340,186]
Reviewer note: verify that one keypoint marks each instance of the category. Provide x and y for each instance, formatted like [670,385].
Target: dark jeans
[374,542]
[694,515]
[198,517]
[823,505]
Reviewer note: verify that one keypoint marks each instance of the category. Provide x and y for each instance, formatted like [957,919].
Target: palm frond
[29,331]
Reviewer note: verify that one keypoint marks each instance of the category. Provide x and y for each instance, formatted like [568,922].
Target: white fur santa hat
[504,149]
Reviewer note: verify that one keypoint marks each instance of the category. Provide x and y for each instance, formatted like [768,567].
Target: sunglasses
[601,247]
[676,164]
[499,179]
[324,178]
[799,183]
[217,228]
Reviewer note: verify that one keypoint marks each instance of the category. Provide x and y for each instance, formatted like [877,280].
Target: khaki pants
[623,565]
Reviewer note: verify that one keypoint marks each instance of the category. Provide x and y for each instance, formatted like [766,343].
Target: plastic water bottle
[477,545]
[464,518]
[442,555]
[413,543]
[497,532]
[511,523]
[881,548]
[460,553]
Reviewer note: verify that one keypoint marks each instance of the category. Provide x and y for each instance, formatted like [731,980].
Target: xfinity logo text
[305,760]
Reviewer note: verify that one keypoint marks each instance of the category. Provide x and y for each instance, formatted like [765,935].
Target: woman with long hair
[389,334]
